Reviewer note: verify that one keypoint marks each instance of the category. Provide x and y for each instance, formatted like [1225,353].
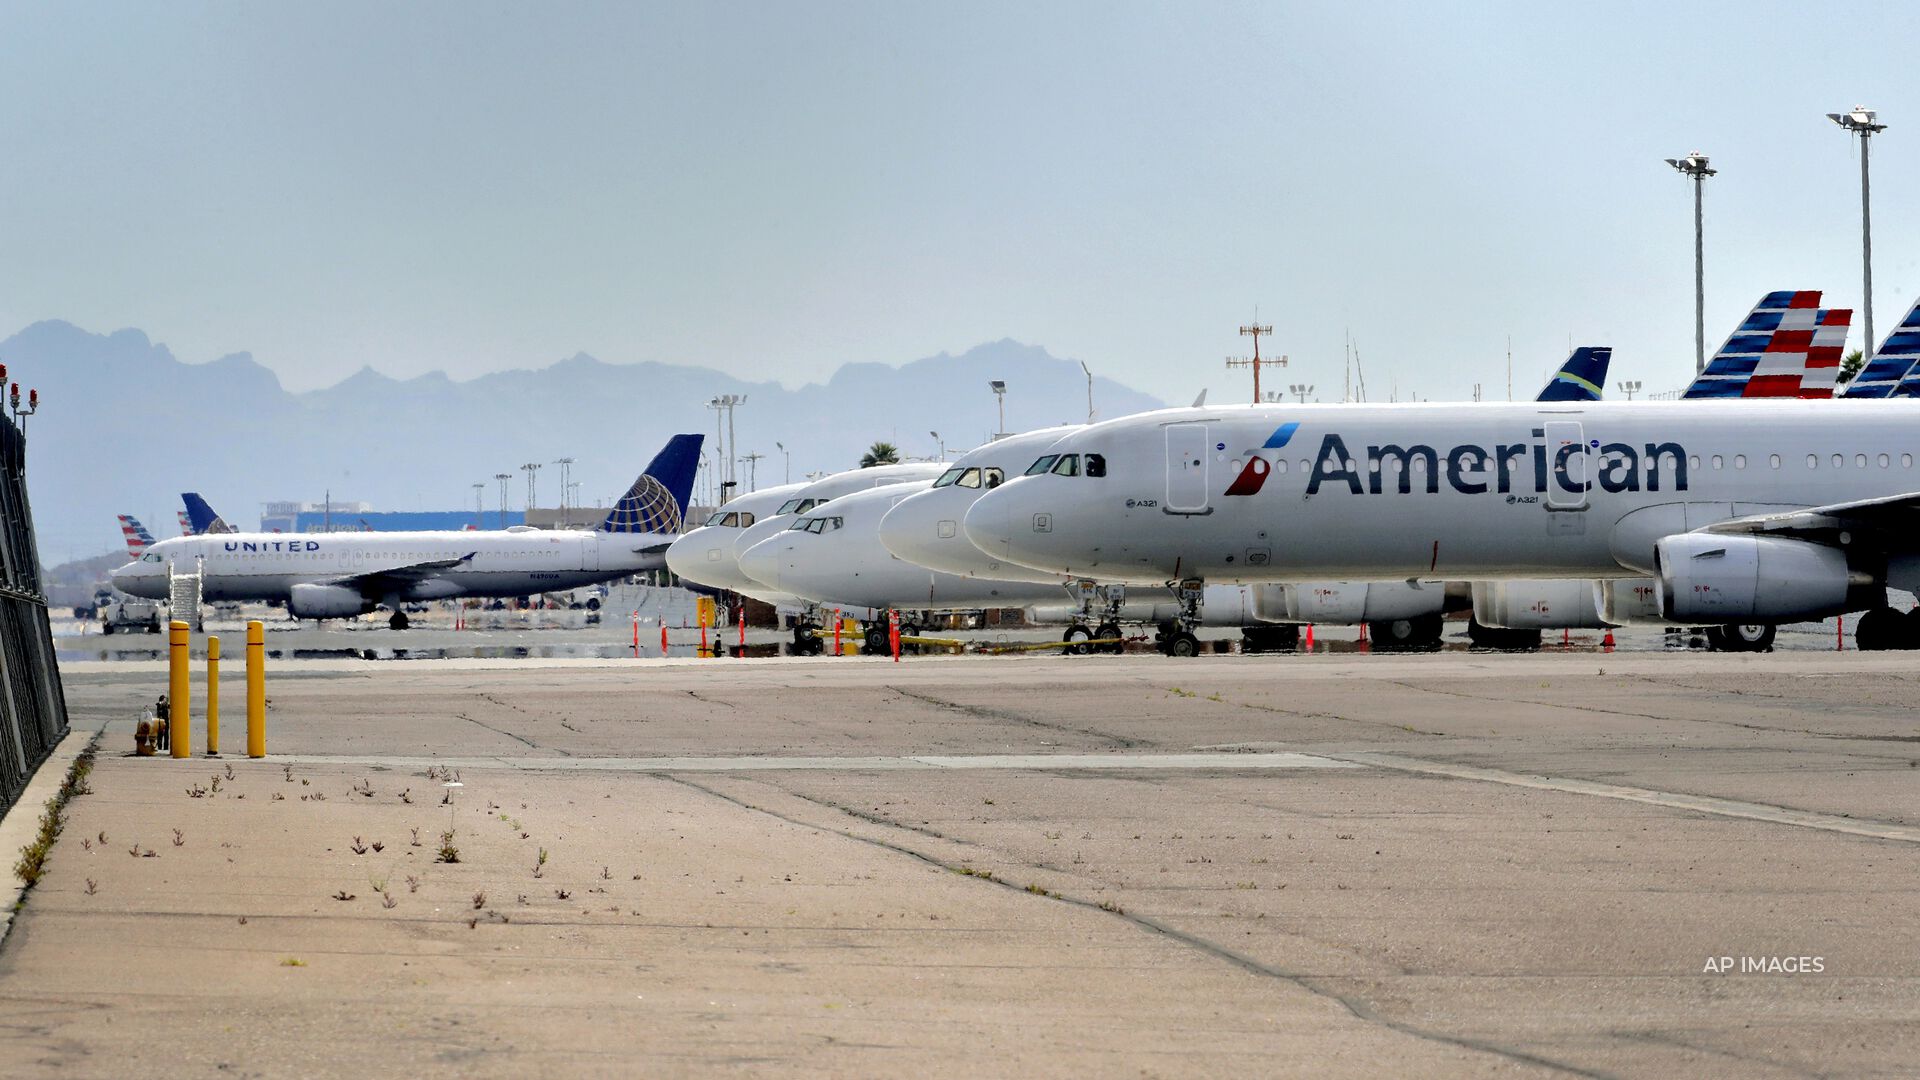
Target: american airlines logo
[273,545]
[1472,469]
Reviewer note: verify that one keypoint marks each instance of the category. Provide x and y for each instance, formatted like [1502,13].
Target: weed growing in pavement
[33,855]
[92,886]
[448,852]
[479,900]
[343,895]
[179,838]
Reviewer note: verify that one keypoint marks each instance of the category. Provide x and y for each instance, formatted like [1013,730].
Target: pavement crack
[522,740]
[1319,986]
[983,713]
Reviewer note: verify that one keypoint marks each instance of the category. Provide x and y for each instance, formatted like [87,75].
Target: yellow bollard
[256,689]
[213,696]
[179,693]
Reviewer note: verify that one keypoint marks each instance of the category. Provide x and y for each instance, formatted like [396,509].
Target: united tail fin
[1888,369]
[202,517]
[137,537]
[657,502]
[1582,378]
[1766,356]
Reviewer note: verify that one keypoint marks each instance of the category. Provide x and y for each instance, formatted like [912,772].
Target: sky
[777,189]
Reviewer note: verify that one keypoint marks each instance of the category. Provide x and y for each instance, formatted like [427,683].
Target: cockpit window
[1068,465]
[1096,465]
[791,506]
[1042,465]
[808,504]
[746,519]
[970,479]
[818,525]
[151,557]
[993,477]
[949,478]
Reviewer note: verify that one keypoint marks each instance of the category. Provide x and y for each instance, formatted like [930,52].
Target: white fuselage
[1463,491]
[511,562]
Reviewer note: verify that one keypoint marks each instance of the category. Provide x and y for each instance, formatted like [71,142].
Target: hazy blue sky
[778,188]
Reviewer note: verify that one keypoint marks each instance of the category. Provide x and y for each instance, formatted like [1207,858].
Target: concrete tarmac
[1448,865]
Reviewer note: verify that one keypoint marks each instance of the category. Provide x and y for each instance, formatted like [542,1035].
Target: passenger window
[1068,465]
[949,478]
[1859,461]
[1096,465]
[1773,460]
[1739,461]
[1279,464]
[970,478]
[1042,465]
[1716,461]
[1693,462]
[1839,461]
[1906,461]
[993,477]
[1883,461]
[1813,461]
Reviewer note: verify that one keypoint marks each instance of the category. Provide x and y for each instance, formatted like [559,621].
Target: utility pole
[753,469]
[1865,123]
[1695,165]
[503,478]
[788,454]
[1090,413]
[1256,332]
[479,511]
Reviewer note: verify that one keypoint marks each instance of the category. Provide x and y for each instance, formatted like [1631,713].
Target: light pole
[942,442]
[753,469]
[725,403]
[479,512]
[530,468]
[999,388]
[1695,166]
[1865,123]
[1629,387]
[782,447]
[566,468]
[1301,390]
[1089,371]
[503,477]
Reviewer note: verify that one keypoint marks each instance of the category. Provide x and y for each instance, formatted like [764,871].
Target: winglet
[1582,378]
[657,501]
[1200,401]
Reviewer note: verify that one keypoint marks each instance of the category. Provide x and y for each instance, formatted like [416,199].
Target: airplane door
[590,553]
[1568,466]
[1186,469]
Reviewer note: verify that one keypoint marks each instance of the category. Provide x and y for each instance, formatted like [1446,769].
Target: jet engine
[1706,578]
[326,602]
[1537,605]
[1630,601]
[1345,603]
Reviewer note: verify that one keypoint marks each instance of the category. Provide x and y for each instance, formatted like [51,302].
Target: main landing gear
[806,638]
[398,620]
[1740,637]
[1501,639]
[1419,632]
[1884,628]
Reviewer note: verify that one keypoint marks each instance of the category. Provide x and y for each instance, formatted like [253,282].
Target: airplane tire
[1420,632]
[593,603]
[1258,639]
[106,628]
[1076,638]
[1110,630]
[398,621]
[876,642]
[1880,629]
[1182,644]
[1741,637]
[1504,640]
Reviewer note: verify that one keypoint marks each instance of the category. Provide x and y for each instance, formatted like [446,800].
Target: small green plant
[448,852]
[378,881]
[33,856]
[1110,906]
[293,961]
[540,863]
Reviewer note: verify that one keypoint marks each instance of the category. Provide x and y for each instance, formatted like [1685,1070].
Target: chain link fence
[33,708]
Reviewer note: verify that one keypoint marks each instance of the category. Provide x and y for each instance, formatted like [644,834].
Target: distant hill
[125,426]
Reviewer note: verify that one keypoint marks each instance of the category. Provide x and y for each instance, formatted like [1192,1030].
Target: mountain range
[125,426]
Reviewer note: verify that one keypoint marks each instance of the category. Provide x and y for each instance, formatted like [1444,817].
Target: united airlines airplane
[336,575]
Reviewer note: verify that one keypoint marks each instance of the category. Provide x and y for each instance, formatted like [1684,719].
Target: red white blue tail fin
[1888,368]
[1787,346]
[137,537]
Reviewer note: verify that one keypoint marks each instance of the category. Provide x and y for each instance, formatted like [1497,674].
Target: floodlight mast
[1865,123]
[1695,165]
[503,478]
[1629,387]
[999,388]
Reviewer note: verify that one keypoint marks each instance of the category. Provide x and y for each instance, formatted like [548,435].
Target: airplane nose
[682,556]
[901,527]
[989,521]
[761,562]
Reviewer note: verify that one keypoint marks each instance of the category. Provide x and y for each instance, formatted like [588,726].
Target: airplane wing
[1888,514]
[378,583]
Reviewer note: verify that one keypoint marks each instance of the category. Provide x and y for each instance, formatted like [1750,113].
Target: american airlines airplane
[136,535]
[1743,511]
[336,575]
